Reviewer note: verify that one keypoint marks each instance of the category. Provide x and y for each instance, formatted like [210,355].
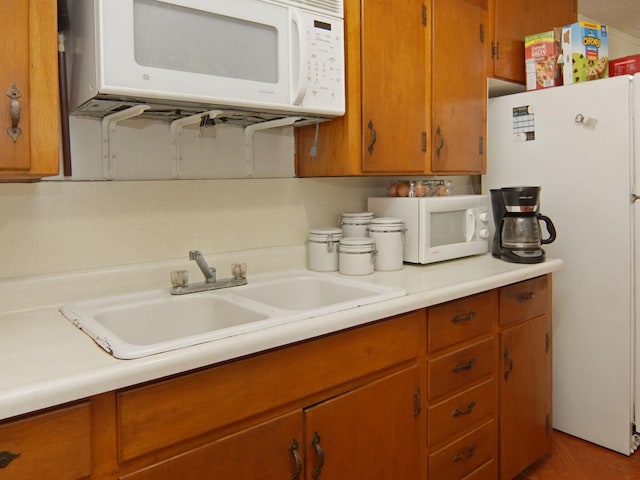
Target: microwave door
[235,52]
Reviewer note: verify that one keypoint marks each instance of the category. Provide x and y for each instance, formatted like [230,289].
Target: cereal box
[624,66]
[585,52]
[541,52]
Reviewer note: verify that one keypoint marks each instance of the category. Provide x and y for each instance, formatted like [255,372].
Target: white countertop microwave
[439,228]
[261,55]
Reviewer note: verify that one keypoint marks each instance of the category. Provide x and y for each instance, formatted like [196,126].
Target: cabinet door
[459,99]
[371,432]
[29,90]
[513,20]
[525,395]
[269,450]
[55,444]
[393,86]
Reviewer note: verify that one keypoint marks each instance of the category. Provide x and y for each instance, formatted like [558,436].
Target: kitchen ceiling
[623,15]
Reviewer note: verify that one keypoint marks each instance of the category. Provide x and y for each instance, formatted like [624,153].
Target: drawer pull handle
[465,411]
[374,136]
[316,444]
[525,297]
[293,448]
[14,130]
[6,458]
[463,318]
[461,368]
[466,454]
[507,357]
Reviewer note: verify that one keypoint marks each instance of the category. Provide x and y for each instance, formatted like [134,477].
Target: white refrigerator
[581,144]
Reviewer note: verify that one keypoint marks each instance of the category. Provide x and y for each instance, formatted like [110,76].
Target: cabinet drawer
[154,416]
[56,444]
[524,300]
[461,320]
[458,369]
[465,455]
[457,414]
[488,471]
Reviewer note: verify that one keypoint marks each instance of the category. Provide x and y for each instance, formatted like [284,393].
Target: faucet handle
[239,270]
[179,278]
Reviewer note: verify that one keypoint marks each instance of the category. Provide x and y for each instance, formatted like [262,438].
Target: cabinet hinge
[424,141]
[495,50]
[481,145]
[547,343]
[424,15]
[481,33]
[417,398]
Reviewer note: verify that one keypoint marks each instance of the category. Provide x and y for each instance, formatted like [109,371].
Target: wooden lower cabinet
[462,401]
[372,432]
[525,375]
[525,396]
[268,450]
[55,444]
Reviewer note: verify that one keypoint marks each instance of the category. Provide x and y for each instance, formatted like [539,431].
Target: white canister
[323,249]
[355,224]
[388,234]
[357,255]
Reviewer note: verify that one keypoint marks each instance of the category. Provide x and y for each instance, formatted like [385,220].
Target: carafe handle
[550,228]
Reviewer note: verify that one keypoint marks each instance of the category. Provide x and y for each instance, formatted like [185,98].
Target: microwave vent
[329,7]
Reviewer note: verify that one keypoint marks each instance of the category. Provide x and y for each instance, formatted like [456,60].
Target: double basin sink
[140,324]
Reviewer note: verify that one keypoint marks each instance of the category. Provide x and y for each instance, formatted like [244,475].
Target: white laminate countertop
[47,361]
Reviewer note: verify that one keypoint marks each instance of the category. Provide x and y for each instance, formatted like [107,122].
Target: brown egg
[421,189]
[403,189]
[393,189]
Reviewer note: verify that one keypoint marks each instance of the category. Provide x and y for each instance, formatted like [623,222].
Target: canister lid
[386,224]
[355,218]
[325,234]
[356,244]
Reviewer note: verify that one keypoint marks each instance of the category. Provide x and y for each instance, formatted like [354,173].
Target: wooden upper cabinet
[459,99]
[29,90]
[393,86]
[512,20]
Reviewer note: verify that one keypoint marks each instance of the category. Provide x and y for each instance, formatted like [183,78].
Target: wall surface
[52,227]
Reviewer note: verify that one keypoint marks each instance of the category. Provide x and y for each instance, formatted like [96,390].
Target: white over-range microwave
[284,56]
[439,228]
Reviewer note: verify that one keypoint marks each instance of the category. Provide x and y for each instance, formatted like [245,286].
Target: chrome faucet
[208,272]
[180,283]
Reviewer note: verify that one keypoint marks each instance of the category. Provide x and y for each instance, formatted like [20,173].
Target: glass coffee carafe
[519,225]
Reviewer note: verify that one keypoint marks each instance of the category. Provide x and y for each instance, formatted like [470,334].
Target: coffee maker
[517,236]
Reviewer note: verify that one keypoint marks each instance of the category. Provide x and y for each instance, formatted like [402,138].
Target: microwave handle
[299,87]
[471,224]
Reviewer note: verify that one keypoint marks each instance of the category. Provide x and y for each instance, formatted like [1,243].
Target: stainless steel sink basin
[145,323]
